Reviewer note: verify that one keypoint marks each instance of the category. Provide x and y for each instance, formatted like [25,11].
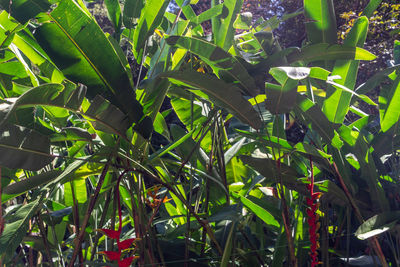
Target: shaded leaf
[15,231]
[22,148]
[377,224]
[223,63]
[325,51]
[217,90]
[30,183]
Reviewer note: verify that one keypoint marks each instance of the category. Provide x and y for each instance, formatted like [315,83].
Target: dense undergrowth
[85,180]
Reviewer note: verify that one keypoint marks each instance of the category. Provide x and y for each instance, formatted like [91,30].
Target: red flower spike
[313,217]
[127,261]
[126,243]
[111,255]
[111,233]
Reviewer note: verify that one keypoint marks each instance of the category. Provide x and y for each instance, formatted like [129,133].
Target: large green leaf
[321,21]
[187,9]
[18,188]
[150,18]
[389,105]
[281,99]
[376,79]
[16,229]
[22,148]
[78,46]
[313,115]
[267,168]
[371,7]
[24,10]
[258,211]
[106,117]
[223,63]
[224,34]
[337,102]
[101,113]
[9,27]
[114,13]
[32,50]
[378,224]
[218,91]
[325,51]
[131,12]
[50,95]
[396,52]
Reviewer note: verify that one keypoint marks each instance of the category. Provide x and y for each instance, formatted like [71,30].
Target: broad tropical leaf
[218,90]
[83,53]
[24,10]
[224,34]
[389,105]
[323,51]
[131,12]
[24,185]
[321,21]
[223,63]
[378,224]
[15,230]
[337,102]
[150,18]
[22,148]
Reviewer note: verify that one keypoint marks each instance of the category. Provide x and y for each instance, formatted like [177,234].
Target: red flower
[116,234]
[312,220]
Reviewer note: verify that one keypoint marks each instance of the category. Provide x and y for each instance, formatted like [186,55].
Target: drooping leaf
[224,64]
[323,51]
[31,49]
[281,99]
[260,212]
[313,115]
[22,148]
[377,224]
[376,79]
[218,90]
[30,183]
[106,117]
[267,168]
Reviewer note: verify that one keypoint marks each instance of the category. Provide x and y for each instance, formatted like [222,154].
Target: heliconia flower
[314,225]
[110,233]
[122,245]
[126,243]
[111,255]
[127,261]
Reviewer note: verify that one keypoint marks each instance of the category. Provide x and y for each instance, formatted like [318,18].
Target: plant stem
[93,199]
[373,241]
[46,244]
[285,216]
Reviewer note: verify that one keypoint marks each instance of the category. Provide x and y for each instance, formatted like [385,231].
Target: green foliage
[85,146]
